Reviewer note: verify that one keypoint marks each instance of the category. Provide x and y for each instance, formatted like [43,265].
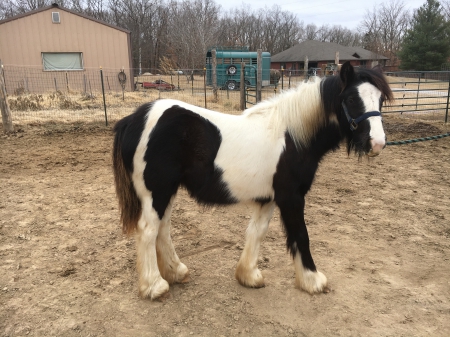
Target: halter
[354,122]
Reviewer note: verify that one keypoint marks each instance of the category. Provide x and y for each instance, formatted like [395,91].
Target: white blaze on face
[371,98]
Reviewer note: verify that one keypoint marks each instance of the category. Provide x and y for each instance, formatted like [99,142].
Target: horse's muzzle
[376,147]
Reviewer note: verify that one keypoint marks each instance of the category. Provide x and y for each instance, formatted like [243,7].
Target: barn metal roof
[324,51]
[56,6]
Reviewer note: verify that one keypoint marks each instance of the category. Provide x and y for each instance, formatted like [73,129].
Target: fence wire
[36,96]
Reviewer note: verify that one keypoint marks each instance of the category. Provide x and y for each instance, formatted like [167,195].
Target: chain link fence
[35,96]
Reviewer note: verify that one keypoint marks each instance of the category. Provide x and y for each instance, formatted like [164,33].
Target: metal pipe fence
[37,96]
[420,93]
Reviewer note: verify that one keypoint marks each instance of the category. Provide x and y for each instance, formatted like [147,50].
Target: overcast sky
[347,13]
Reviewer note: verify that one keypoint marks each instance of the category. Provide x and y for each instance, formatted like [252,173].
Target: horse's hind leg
[151,284]
[170,266]
[247,272]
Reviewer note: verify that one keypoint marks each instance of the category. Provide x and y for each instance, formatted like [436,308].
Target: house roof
[56,6]
[324,51]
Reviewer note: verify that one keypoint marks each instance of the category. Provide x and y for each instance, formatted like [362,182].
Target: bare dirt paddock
[379,229]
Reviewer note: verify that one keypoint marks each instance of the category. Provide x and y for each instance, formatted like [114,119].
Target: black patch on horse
[263,200]
[293,179]
[130,129]
[181,150]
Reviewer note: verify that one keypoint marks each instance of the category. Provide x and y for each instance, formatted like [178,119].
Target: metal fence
[420,93]
[20,80]
[36,96]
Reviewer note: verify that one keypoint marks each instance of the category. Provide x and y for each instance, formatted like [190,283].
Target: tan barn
[54,46]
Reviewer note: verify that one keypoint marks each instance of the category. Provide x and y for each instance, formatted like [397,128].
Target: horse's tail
[129,204]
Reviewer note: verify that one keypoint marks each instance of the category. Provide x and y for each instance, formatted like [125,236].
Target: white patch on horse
[310,281]
[371,98]
[170,266]
[247,272]
[151,284]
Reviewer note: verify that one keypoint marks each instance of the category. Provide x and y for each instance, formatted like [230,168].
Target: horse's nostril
[377,146]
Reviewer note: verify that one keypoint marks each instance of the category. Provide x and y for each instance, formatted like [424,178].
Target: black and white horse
[265,157]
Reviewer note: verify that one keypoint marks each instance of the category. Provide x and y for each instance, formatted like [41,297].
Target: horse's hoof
[251,279]
[182,274]
[312,282]
[156,290]
[163,297]
[187,279]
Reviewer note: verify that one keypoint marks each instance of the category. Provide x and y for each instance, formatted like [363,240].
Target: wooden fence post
[305,67]
[4,106]
[259,76]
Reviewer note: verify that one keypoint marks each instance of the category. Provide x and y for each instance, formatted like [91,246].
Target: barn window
[62,61]
[55,17]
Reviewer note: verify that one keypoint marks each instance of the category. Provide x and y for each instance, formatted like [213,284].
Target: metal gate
[250,90]
[424,92]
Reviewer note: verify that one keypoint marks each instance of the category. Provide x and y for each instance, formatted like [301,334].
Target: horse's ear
[347,73]
[378,68]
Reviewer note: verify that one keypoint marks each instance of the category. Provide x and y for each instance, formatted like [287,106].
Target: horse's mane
[303,110]
[299,111]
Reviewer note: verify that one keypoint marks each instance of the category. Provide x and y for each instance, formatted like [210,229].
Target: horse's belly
[247,172]
[245,186]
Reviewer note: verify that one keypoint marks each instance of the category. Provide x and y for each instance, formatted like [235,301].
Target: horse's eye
[350,100]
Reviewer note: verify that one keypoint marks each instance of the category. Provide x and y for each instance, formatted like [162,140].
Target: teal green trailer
[228,67]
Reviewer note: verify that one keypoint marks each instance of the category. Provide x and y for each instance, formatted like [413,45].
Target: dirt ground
[379,229]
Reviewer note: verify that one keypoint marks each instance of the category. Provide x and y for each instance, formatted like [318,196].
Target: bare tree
[148,22]
[311,32]
[193,26]
[341,35]
[281,30]
[270,29]
[336,34]
[384,28]
[10,8]
[446,8]
[241,27]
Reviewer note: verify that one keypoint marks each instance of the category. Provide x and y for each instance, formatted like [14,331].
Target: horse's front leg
[307,277]
[151,284]
[247,272]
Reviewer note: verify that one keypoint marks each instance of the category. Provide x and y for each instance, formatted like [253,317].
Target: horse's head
[361,99]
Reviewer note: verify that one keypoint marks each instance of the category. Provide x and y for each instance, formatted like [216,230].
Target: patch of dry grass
[70,106]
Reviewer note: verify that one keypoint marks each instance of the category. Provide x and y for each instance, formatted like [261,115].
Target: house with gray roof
[321,54]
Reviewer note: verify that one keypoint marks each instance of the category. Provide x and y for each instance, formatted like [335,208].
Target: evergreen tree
[426,45]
